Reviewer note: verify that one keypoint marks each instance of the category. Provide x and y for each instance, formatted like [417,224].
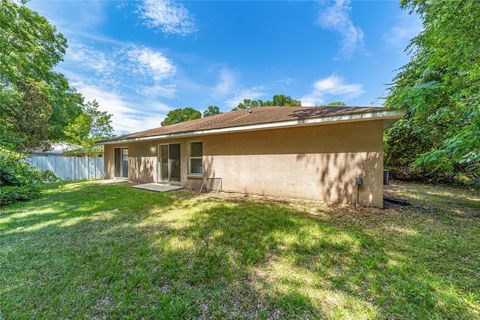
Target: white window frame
[190,158]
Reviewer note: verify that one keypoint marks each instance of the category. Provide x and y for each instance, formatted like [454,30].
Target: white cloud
[285,81]
[226,83]
[333,86]
[109,101]
[158,106]
[336,16]
[90,58]
[145,70]
[76,15]
[151,68]
[158,90]
[168,16]
[125,118]
[148,61]
[245,93]
[124,59]
[407,27]
[126,80]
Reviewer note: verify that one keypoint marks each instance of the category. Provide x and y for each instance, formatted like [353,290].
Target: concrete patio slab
[157,187]
[111,181]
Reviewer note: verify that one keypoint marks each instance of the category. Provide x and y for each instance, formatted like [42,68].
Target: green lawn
[86,250]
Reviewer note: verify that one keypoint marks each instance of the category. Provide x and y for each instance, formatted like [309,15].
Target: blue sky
[140,59]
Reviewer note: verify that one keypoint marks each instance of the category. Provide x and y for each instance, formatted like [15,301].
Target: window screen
[195,158]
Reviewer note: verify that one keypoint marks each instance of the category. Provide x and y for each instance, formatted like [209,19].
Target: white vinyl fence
[69,168]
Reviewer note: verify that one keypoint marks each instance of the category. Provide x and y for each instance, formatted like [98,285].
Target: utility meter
[358,180]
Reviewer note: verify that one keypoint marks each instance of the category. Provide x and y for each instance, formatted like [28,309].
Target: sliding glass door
[174,162]
[163,162]
[169,162]
[121,162]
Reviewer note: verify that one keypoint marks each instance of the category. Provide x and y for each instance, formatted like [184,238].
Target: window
[195,158]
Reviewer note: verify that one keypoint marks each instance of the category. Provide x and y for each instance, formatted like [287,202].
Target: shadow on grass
[290,258]
[66,201]
[438,199]
[112,251]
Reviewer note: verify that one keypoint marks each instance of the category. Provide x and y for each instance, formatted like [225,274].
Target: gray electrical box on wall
[358,180]
[386,177]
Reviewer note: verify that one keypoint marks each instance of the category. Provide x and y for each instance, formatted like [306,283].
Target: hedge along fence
[20,181]
[69,168]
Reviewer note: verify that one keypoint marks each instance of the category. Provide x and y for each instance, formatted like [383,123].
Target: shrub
[12,194]
[417,173]
[20,181]
[48,176]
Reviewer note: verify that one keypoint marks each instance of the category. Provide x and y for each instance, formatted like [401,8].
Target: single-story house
[333,154]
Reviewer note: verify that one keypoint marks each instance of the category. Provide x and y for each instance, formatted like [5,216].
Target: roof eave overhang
[369,116]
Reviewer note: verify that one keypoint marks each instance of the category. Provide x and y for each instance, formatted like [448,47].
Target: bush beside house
[19,181]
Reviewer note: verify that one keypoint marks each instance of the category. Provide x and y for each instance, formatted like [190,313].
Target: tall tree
[335,104]
[243,105]
[211,111]
[36,103]
[181,115]
[24,120]
[283,100]
[439,89]
[90,126]
[278,100]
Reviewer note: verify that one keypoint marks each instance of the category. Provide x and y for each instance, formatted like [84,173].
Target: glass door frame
[121,163]
[159,162]
[169,169]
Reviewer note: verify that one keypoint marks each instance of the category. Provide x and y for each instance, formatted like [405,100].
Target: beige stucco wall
[315,162]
